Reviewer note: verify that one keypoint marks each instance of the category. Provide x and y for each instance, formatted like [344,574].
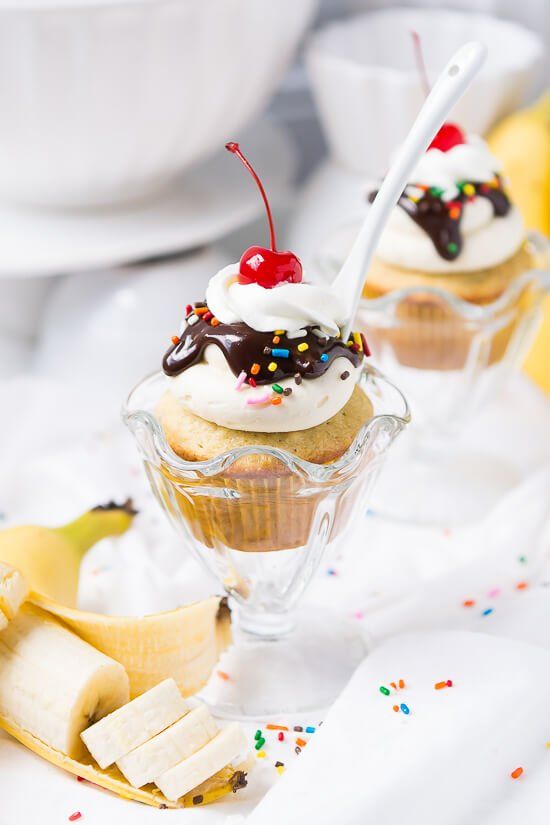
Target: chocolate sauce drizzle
[243,346]
[441,219]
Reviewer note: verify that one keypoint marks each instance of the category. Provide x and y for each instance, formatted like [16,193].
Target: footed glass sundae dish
[262,438]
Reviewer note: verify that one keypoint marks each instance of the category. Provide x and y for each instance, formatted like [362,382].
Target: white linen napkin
[450,760]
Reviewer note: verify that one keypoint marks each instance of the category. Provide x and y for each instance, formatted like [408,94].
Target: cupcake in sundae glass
[455,230]
[261,363]
[262,438]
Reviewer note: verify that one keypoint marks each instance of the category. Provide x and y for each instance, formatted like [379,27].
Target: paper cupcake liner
[251,513]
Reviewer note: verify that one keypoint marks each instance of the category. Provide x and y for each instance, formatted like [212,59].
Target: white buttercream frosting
[289,306]
[488,240]
[208,390]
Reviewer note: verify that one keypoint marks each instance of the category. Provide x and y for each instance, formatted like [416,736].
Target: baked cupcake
[261,363]
[455,229]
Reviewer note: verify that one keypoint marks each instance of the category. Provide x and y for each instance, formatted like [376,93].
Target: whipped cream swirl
[290,306]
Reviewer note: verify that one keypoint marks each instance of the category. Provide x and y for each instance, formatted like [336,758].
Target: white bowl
[367,87]
[105,101]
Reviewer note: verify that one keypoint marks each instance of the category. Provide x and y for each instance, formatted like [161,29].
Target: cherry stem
[235,149]
[420,64]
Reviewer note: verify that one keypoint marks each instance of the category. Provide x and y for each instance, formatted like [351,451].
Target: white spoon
[450,86]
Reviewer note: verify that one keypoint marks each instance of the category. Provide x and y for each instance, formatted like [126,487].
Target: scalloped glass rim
[315,472]
[471,312]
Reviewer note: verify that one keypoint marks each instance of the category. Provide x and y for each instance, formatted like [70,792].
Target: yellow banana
[522,143]
[183,644]
[50,557]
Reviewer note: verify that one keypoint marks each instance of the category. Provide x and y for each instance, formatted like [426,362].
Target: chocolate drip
[243,347]
[441,219]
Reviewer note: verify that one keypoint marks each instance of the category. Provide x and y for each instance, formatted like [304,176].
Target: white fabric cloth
[450,760]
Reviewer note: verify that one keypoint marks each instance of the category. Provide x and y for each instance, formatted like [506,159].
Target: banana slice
[165,750]
[13,592]
[52,683]
[223,749]
[135,723]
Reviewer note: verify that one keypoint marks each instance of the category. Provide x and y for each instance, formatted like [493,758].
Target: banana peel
[184,644]
[228,780]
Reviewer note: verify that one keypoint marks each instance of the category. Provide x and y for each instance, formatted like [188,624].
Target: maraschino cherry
[266,267]
[450,134]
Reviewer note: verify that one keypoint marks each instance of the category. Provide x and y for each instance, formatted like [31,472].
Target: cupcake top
[263,352]
[455,215]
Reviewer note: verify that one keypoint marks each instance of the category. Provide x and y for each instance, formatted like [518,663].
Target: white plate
[210,201]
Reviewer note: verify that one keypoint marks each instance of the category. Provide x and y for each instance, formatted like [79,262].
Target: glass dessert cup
[260,519]
[451,357]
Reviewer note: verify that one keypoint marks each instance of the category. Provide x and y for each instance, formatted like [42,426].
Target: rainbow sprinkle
[240,380]
[280,353]
[259,399]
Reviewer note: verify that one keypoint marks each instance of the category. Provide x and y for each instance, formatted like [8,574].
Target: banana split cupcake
[261,363]
[455,229]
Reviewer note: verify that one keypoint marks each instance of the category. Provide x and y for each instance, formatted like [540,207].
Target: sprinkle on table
[258,735]
[405,709]
[494,592]
[516,773]
[280,768]
[468,603]
[401,684]
[75,816]
[310,729]
[277,388]
[487,611]
[261,754]
[259,743]
[441,685]
[384,690]
[297,378]
[297,749]
[301,742]
[281,736]
[175,340]
[287,391]
[276,401]
[396,708]
[522,559]
[393,685]
[522,586]
[276,727]
[223,675]
[344,375]
[298,728]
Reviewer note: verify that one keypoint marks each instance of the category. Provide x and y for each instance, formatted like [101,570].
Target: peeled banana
[184,644]
[134,723]
[226,781]
[50,557]
[54,684]
[13,592]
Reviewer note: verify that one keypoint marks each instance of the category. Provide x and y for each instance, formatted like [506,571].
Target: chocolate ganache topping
[264,356]
[441,219]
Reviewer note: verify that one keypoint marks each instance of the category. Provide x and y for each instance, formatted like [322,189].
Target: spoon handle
[450,86]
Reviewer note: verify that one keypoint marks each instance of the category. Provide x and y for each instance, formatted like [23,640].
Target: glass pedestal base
[303,671]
